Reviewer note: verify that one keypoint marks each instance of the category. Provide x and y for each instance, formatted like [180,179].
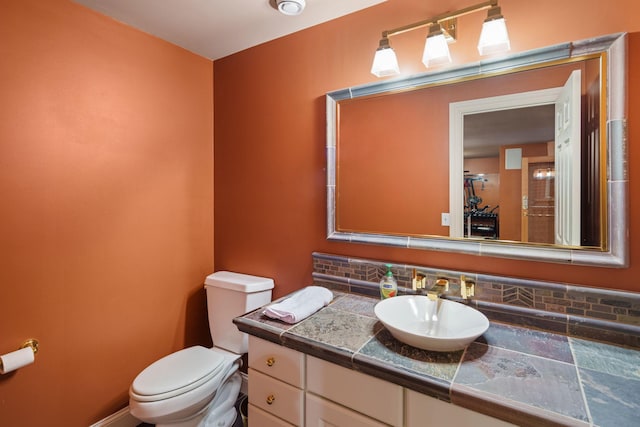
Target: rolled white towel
[300,305]
[222,412]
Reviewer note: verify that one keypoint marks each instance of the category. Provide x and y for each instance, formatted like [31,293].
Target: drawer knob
[271,361]
[270,399]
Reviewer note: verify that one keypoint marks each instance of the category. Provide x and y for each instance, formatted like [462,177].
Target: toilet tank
[231,295]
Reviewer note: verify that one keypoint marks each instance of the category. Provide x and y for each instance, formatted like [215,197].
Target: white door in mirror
[568,158]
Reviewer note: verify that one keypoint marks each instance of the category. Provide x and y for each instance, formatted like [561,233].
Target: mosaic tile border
[594,313]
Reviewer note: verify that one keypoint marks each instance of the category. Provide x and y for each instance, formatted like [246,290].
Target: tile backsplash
[594,313]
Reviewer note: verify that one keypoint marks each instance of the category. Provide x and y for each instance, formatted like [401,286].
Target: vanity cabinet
[288,388]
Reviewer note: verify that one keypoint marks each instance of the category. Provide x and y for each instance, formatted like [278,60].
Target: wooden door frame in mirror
[615,254]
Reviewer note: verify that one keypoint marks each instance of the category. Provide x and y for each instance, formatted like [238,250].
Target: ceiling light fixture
[291,7]
[442,30]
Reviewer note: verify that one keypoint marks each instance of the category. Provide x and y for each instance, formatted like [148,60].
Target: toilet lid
[180,371]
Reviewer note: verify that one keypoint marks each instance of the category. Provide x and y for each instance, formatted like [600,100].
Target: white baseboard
[122,418]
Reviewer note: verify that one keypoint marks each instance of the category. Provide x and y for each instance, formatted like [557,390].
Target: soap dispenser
[388,284]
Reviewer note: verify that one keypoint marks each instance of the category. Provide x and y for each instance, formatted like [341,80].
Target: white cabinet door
[423,411]
[323,413]
[378,399]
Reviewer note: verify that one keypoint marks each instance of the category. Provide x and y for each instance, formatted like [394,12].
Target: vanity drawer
[277,361]
[276,397]
[262,418]
[368,395]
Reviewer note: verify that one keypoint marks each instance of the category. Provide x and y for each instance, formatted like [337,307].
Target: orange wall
[106,218]
[270,134]
[386,175]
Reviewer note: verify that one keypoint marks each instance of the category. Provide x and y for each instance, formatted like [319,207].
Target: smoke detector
[291,7]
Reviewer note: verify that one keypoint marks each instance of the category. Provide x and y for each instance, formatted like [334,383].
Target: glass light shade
[494,37]
[436,51]
[385,63]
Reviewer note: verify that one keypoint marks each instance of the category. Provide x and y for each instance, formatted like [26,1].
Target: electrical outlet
[445,219]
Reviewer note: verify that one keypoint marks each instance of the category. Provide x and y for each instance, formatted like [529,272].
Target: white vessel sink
[439,325]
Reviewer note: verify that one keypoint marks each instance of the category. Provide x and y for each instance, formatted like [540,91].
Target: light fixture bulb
[291,7]
[385,62]
[494,36]
[544,173]
[436,50]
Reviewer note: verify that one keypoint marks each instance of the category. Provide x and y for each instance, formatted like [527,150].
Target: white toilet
[198,386]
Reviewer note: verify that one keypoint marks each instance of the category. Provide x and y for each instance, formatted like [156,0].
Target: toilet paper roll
[16,360]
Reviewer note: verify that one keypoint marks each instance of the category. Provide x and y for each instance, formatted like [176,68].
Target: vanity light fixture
[493,38]
[291,7]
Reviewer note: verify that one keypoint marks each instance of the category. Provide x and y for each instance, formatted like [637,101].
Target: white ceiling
[485,133]
[218,28]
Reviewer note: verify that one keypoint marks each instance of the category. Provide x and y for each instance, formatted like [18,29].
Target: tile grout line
[582,393]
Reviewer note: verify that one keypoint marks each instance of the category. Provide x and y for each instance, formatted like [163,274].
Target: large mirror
[522,157]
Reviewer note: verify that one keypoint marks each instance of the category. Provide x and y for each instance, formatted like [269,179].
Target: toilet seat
[177,373]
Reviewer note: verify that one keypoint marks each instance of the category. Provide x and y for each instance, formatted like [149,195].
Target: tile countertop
[524,376]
